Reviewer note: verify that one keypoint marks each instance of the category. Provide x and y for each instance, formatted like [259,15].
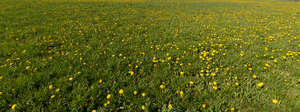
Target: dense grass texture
[149,55]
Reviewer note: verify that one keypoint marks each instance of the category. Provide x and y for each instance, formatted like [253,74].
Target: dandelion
[237,84]
[50,86]
[170,106]
[232,109]
[135,92]
[162,86]
[215,87]
[52,96]
[94,110]
[100,81]
[214,82]
[1,77]
[1,93]
[191,83]
[275,101]
[181,73]
[204,106]
[57,90]
[71,78]
[254,76]
[250,69]
[27,67]
[143,107]
[121,91]
[181,93]
[213,74]
[143,94]
[131,73]
[261,84]
[13,106]
[108,96]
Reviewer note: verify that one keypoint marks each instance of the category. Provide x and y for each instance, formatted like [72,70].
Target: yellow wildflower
[108,96]
[121,91]
[261,84]
[13,106]
[275,101]
[170,106]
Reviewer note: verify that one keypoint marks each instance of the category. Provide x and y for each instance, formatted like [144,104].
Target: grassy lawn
[149,55]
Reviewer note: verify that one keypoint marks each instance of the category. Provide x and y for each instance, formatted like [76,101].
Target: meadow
[149,55]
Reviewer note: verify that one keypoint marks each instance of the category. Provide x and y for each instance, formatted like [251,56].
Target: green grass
[47,42]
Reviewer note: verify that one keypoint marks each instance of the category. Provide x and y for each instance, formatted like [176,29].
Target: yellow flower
[121,91]
[261,84]
[237,84]
[108,96]
[213,74]
[143,94]
[100,81]
[170,106]
[131,73]
[254,76]
[214,82]
[275,60]
[134,92]
[52,96]
[1,77]
[275,101]
[203,105]
[143,107]
[94,111]
[71,78]
[191,83]
[169,58]
[232,109]
[13,106]
[250,69]
[162,86]
[27,67]
[267,65]
[57,90]
[181,93]
[50,86]
[181,73]
[1,93]
[215,87]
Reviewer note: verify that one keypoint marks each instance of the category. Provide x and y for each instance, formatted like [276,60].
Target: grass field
[149,55]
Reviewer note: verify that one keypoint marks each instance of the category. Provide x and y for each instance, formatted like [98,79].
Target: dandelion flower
[232,109]
[50,86]
[131,72]
[143,107]
[181,93]
[121,91]
[170,106]
[13,106]
[181,73]
[203,105]
[261,84]
[134,92]
[162,86]
[100,81]
[275,101]
[215,87]
[108,96]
